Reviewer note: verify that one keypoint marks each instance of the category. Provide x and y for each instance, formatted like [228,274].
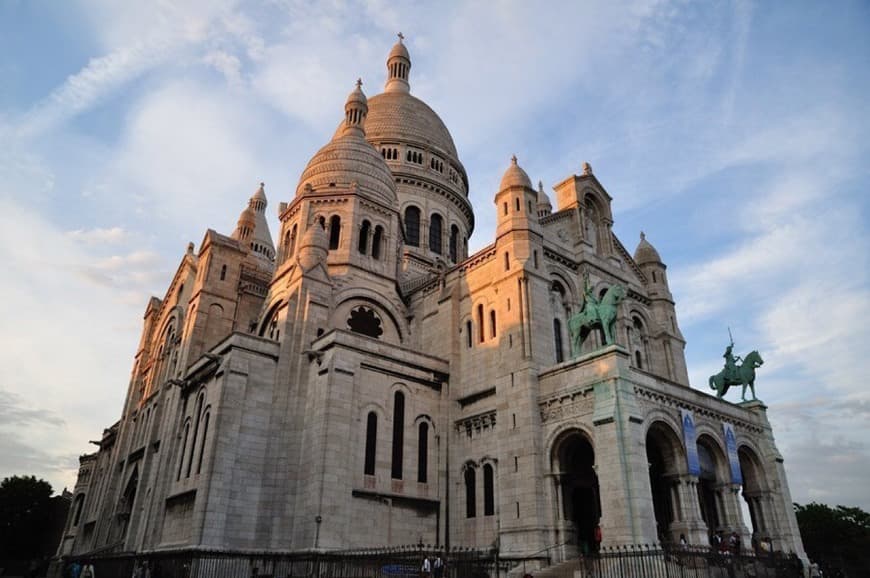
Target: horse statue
[595,314]
[744,374]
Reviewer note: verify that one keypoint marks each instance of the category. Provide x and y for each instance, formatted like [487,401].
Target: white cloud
[99,235]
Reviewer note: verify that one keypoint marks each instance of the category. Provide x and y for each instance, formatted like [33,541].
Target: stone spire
[355,110]
[545,207]
[398,67]
[253,230]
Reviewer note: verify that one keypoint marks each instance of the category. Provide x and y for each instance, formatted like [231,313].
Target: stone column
[733,519]
[690,523]
[627,514]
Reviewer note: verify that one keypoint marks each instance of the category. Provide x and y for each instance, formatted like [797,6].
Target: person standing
[426,569]
[438,566]
[88,570]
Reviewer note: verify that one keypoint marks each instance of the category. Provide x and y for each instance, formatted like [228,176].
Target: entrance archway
[574,460]
[712,462]
[666,462]
[755,490]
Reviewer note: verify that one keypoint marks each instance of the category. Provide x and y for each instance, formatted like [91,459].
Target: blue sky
[735,134]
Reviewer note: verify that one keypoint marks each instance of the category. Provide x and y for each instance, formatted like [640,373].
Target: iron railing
[645,561]
[398,562]
[655,561]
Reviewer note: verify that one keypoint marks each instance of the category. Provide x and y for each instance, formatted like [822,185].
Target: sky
[734,134]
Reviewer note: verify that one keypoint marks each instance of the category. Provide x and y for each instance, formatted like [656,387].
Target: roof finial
[359,82]
[642,236]
[587,169]
[541,186]
[401,36]
[513,159]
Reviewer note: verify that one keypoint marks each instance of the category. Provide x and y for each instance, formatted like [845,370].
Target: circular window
[364,320]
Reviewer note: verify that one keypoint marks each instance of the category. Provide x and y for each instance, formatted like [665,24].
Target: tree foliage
[836,538]
[25,516]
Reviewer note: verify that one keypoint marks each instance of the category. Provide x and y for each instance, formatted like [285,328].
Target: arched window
[557,337]
[77,509]
[435,227]
[377,240]
[507,261]
[412,226]
[371,443]
[363,243]
[517,204]
[638,360]
[470,495]
[183,450]
[492,324]
[202,443]
[468,337]
[480,335]
[196,417]
[223,272]
[422,452]
[334,232]
[398,433]
[454,243]
[488,490]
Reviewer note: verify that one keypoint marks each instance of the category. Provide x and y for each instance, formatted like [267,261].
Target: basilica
[361,380]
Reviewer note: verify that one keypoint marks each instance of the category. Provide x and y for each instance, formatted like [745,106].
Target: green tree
[25,516]
[836,538]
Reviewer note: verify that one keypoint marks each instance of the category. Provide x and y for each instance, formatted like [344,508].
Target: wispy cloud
[96,236]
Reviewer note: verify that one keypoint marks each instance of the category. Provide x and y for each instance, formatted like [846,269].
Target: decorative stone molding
[478,423]
[569,403]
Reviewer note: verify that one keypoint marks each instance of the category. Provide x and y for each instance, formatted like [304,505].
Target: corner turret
[516,201]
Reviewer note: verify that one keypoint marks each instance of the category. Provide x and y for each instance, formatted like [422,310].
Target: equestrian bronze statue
[594,314]
[737,374]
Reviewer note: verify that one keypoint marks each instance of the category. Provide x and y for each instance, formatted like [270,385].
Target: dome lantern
[355,110]
[398,68]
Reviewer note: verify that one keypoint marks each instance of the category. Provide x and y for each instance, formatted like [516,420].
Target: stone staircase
[564,569]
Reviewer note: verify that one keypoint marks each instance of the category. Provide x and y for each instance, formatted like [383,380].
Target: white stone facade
[369,383]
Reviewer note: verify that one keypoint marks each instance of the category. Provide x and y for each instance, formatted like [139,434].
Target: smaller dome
[543,199]
[248,217]
[260,194]
[399,50]
[356,96]
[515,176]
[349,161]
[645,252]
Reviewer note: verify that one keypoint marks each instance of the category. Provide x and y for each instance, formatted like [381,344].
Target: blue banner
[690,441]
[733,459]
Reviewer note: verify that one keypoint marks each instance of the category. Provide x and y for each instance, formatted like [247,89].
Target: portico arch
[573,464]
[714,477]
[667,462]
[755,491]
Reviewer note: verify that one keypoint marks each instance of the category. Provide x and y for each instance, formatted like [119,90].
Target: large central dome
[399,115]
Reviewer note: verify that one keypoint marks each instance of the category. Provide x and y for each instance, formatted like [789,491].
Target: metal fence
[400,562]
[406,562]
[651,561]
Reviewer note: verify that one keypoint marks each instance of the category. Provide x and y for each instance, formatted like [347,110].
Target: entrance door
[580,497]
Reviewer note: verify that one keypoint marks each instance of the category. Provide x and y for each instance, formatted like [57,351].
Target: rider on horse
[590,300]
[731,363]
